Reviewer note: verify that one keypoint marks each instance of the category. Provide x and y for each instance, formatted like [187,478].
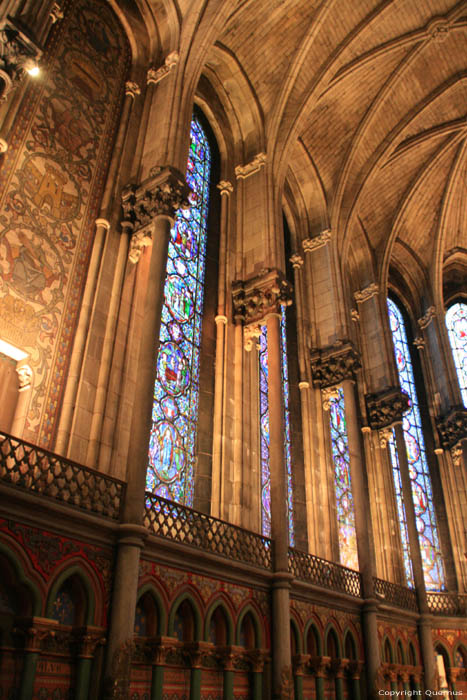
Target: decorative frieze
[316,242]
[427,318]
[333,364]
[452,428]
[18,54]
[386,407]
[256,298]
[155,75]
[225,187]
[366,293]
[244,171]
[161,194]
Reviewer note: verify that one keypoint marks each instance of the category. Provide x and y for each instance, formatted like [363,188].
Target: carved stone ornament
[328,395]
[139,241]
[56,13]
[316,242]
[386,407]
[18,53]
[366,293]
[117,685]
[244,171]
[419,342]
[456,454]
[24,373]
[427,318]
[385,434]
[225,187]
[354,315]
[132,89]
[452,428]
[296,261]
[256,298]
[333,364]
[161,194]
[155,75]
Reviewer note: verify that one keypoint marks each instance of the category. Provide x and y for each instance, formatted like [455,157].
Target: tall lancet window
[176,392]
[422,495]
[264,429]
[346,532]
[456,322]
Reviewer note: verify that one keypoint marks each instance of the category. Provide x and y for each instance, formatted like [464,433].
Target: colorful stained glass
[425,516]
[456,322]
[176,392]
[347,535]
[264,429]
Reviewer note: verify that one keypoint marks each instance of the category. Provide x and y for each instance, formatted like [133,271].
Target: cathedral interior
[233,349]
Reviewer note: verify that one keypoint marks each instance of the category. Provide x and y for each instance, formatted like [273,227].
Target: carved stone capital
[452,428]
[244,171]
[319,664]
[56,13]
[24,373]
[328,395]
[257,658]
[385,434]
[18,54]
[132,89]
[333,364]
[86,642]
[299,662]
[258,297]
[160,648]
[427,318]
[196,651]
[296,261]
[456,454]
[225,187]
[318,241]
[366,293]
[138,242]
[386,407]
[155,75]
[161,194]
[354,669]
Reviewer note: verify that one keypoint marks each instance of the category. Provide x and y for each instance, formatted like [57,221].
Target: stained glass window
[347,535]
[264,429]
[432,561]
[176,392]
[456,321]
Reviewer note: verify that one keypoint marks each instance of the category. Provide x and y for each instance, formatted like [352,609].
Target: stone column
[151,207]
[337,668]
[225,189]
[87,643]
[30,658]
[257,657]
[299,663]
[319,665]
[424,622]
[355,669]
[332,366]
[258,301]
[159,649]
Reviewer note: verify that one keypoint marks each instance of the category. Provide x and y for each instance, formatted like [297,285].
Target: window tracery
[176,392]
[456,322]
[425,516]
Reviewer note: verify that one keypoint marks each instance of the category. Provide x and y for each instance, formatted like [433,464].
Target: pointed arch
[74,586]
[149,591]
[219,606]
[23,583]
[248,613]
[196,621]
[350,646]
[456,323]
[313,639]
[387,651]
[332,645]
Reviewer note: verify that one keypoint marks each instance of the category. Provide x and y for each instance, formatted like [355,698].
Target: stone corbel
[427,318]
[318,241]
[244,171]
[386,407]
[334,363]
[452,428]
[366,293]
[296,261]
[155,75]
[225,187]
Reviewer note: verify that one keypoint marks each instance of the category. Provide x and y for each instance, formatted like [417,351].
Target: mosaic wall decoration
[347,534]
[172,442]
[50,186]
[264,429]
[432,560]
[456,322]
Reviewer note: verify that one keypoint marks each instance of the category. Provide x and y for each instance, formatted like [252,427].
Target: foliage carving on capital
[452,428]
[334,363]
[256,298]
[386,408]
[161,194]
